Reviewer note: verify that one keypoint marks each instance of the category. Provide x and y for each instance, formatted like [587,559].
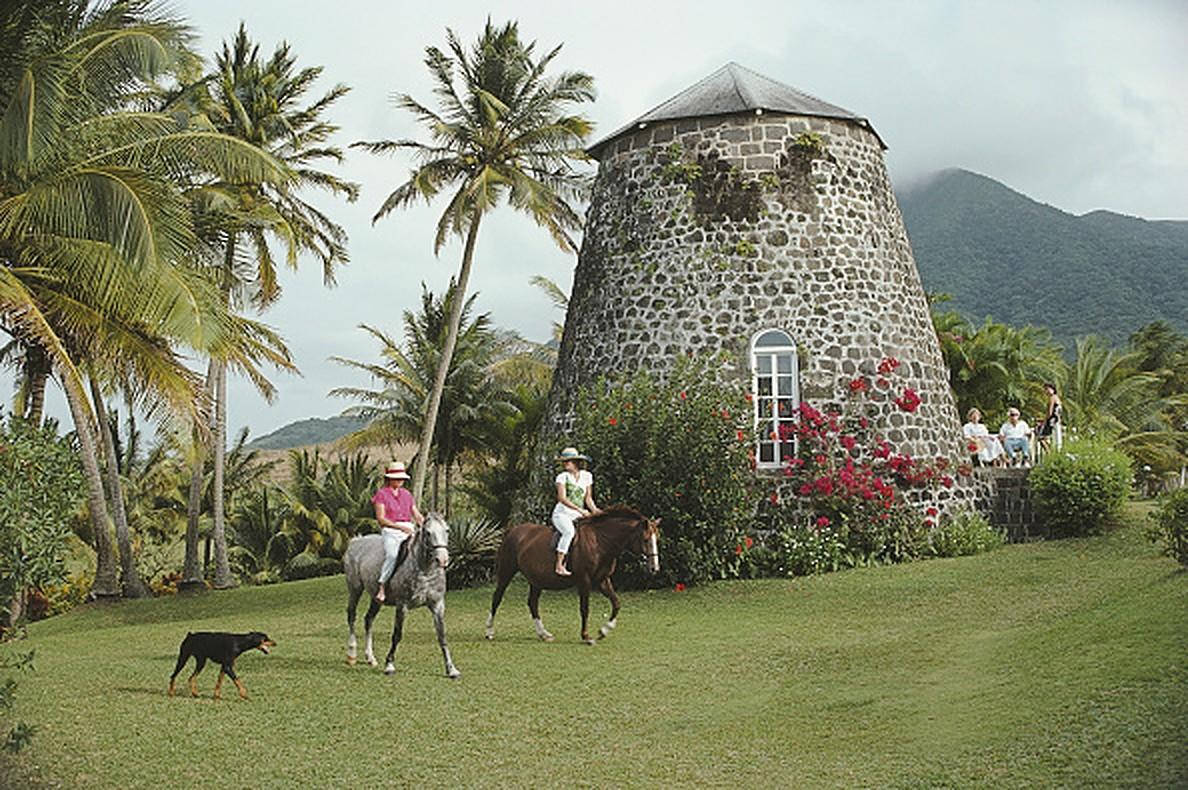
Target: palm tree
[994,366]
[94,233]
[1106,395]
[260,102]
[558,297]
[502,131]
[472,398]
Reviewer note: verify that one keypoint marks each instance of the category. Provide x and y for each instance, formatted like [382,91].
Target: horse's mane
[616,511]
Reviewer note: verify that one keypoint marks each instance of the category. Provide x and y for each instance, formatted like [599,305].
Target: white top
[1020,430]
[988,446]
[575,489]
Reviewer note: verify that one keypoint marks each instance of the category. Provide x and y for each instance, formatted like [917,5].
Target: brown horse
[600,539]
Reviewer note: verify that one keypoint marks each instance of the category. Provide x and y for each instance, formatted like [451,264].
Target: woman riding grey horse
[419,580]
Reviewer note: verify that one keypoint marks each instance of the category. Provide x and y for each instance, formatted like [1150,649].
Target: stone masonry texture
[703,232]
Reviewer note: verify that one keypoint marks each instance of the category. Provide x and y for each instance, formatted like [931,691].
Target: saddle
[402,552]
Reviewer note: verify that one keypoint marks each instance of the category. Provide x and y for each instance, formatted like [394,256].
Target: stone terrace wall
[702,232]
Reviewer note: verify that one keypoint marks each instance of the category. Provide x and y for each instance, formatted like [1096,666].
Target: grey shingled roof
[732,90]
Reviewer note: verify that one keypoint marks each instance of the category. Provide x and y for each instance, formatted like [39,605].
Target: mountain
[315,430]
[1002,254]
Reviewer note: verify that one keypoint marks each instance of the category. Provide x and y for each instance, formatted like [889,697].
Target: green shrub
[1170,525]
[306,566]
[677,450]
[473,543]
[1080,489]
[20,733]
[40,485]
[800,550]
[968,532]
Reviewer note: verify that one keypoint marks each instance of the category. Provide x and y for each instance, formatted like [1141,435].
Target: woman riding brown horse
[600,540]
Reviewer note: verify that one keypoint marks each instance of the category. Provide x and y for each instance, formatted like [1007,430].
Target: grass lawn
[1056,664]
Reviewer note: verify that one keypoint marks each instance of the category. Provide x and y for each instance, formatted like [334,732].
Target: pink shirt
[397,502]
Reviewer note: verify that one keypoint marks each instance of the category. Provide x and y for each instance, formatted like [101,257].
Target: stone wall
[700,233]
[1006,501]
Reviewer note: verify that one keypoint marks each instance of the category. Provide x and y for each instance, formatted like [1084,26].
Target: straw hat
[571,454]
[395,471]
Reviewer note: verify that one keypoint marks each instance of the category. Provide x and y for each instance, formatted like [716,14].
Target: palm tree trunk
[443,365]
[105,585]
[132,585]
[222,579]
[447,490]
[37,397]
[193,571]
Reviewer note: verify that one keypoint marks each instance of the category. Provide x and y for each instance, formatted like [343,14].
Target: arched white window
[775,382]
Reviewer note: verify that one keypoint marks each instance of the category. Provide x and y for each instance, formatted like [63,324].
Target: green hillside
[1002,254]
[315,430]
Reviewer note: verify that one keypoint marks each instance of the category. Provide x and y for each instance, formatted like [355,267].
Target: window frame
[766,400]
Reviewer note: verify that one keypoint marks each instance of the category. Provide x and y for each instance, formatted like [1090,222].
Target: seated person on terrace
[1016,439]
[985,447]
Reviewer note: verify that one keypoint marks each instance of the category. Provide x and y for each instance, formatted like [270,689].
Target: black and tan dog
[222,648]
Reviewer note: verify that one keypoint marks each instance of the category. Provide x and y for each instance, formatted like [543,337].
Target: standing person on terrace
[1016,439]
[1055,409]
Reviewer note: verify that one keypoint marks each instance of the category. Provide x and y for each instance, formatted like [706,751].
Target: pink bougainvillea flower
[748,396]
[947,481]
[888,365]
[858,384]
[822,522]
[928,522]
[930,511]
[725,414]
[749,541]
[613,421]
[738,549]
[680,587]
[741,436]
[684,395]
[848,442]
[775,498]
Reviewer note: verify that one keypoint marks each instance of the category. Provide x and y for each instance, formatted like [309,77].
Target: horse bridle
[647,555]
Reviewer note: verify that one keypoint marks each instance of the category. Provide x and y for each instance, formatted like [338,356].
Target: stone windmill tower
[743,216]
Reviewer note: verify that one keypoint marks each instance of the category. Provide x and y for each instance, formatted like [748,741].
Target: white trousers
[392,540]
[563,519]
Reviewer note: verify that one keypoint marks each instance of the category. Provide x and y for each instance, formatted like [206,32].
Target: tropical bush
[301,529]
[1079,489]
[846,484]
[307,565]
[1170,525]
[676,449]
[965,533]
[40,484]
[801,549]
[473,544]
[20,733]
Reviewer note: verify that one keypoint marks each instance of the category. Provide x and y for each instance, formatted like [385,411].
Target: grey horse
[419,580]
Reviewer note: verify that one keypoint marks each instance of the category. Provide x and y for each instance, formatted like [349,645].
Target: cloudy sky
[1078,104]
